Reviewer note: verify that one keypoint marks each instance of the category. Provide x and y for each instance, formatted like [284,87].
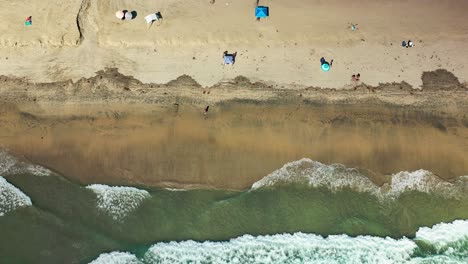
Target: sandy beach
[122,142]
[113,129]
[75,39]
[106,100]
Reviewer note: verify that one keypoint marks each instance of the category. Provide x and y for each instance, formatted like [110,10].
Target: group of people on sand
[408,44]
[355,77]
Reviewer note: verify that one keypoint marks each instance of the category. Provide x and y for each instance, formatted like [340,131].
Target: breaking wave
[116,258]
[118,201]
[336,177]
[450,240]
[10,165]
[11,197]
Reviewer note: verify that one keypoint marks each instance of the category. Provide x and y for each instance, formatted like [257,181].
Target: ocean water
[304,212]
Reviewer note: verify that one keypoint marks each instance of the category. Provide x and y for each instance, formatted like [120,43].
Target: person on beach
[206,109]
[355,77]
[325,65]
[229,58]
[408,44]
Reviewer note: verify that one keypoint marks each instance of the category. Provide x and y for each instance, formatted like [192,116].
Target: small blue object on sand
[262,12]
[228,59]
[325,66]
[403,44]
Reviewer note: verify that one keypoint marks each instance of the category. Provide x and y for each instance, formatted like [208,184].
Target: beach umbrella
[119,14]
[261,12]
[325,67]
[128,16]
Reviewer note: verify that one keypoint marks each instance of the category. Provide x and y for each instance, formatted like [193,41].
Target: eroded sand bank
[113,129]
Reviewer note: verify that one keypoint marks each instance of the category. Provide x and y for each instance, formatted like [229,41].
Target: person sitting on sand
[229,58]
[355,77]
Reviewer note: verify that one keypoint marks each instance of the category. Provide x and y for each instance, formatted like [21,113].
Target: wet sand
[237,143]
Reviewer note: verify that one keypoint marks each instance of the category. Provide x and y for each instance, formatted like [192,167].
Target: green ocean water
[282,223]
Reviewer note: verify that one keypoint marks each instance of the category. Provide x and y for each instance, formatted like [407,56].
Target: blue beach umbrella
[261,11]
[325,67]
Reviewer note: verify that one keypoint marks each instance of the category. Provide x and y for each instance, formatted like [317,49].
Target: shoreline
[114,129]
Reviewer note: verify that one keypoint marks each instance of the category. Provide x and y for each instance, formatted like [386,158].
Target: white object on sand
[128,16]
[119,14]
[151,18]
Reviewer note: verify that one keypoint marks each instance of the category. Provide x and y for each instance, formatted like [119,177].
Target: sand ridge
[112,128]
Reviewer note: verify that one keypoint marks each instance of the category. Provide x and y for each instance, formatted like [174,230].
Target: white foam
[10,165]
[337,176]
[118,201]
[6,162]
[285,248]
[316,174]
[422,181]
[175,190]
[116,258]
[445,236]
[310,248]
[11,197]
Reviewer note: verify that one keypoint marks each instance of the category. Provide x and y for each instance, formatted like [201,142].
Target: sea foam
[336,177]
[118,201]
[11,197]
[10,165]
[311,248]
[285,248]
[446,237]
[116,258]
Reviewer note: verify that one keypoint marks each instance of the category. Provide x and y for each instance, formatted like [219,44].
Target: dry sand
[76,38]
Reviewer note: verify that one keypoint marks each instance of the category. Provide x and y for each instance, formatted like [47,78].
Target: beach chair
[153,17]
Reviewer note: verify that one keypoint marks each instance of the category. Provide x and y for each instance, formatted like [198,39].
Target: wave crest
[118,201]
[11,197]
[336,177]
[10,165]
[310,248]
[116,258]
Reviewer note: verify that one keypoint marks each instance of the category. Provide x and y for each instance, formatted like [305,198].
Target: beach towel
[28,21]
[150,18]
